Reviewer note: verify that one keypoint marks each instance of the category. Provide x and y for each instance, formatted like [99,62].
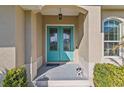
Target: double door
[60,43]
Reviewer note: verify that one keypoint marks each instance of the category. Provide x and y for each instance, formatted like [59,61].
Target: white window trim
[121,33]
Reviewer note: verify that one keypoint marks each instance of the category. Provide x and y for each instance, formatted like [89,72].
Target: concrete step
[62,83]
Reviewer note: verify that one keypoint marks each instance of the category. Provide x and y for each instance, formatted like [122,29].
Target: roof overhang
[55,9]
[31,7]
[113,7]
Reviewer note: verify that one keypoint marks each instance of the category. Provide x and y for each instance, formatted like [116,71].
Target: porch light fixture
[60,15]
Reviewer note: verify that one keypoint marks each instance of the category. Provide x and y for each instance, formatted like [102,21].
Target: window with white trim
[112,35]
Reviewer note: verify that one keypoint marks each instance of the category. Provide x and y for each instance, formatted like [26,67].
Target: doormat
[52,64]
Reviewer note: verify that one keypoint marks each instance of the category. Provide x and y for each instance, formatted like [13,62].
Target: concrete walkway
[59,73]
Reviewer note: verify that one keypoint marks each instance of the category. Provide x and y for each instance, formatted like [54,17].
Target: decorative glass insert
[53,39]
[111,37]
[67,39]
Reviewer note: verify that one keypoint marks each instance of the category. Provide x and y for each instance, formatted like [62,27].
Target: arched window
[112,35]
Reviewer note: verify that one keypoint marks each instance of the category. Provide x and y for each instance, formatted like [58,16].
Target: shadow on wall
[7,47]
[117,62]
[7,39]
[81,20]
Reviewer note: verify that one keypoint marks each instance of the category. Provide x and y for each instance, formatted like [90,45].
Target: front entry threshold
[59,62]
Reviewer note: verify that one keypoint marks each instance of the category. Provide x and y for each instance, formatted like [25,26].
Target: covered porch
[47,67]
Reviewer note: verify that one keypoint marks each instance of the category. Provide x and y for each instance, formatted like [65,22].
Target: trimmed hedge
[108,75]
[15,78]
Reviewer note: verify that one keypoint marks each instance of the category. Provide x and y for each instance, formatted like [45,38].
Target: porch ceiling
[55,9]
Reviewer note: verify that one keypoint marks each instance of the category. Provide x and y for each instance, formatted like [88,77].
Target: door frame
[46,37]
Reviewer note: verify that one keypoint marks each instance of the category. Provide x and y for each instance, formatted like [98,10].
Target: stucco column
[95,38]
[28,44]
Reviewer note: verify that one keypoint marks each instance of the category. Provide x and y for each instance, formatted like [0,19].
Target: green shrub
[15,78]
[108,75]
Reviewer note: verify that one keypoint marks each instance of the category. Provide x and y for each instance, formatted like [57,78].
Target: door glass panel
[66,39]
[53,39]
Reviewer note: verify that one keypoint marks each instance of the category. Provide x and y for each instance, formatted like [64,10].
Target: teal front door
[60,43]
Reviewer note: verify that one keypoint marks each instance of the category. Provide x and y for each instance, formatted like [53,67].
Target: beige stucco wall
[28,44]
[83,36]
[19,43]
[20,36]
[119,14]
[7,37]
[36,45]
[83,43]
[47,19]
[92,39]
[33,42]
[112,13]
[39,39]
[95,36]
[93,32]
[12,34]
[34,36]
[28,34]
[39,34]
